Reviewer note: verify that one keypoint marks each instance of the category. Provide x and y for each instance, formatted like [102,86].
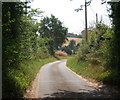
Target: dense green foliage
[23,51]
[53,29]
[98,51]
[93,59]
[102,48]
[20,43]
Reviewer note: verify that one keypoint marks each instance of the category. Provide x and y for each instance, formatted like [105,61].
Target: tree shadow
[83,94]
[98,94]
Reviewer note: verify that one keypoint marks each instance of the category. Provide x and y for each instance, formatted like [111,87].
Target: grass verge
[87,69]
[16,81]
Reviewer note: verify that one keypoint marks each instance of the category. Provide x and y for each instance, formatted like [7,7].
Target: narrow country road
[56,80]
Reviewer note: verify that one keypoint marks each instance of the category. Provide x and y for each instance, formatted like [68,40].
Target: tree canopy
[53,29]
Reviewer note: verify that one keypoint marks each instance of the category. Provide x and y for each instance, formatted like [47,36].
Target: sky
[64,10]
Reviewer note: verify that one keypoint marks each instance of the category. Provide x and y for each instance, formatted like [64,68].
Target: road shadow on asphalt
[70,95]
[98,94]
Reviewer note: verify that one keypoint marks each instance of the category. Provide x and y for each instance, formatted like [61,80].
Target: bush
[67,49]
[83,51]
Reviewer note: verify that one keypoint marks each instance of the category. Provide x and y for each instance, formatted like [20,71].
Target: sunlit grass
[18,80]
[87,69]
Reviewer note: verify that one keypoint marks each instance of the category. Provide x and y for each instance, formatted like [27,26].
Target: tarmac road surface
[58,81]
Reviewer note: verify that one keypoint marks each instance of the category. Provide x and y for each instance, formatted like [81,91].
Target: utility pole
[86,31]
[96,18]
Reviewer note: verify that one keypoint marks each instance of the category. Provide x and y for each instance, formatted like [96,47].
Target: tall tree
[11,15]
[19,43]
[11,29]
[53,29]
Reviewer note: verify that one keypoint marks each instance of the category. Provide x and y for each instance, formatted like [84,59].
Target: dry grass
[78,40]
[60,53]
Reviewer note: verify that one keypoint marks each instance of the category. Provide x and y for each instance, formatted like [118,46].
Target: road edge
[94,84]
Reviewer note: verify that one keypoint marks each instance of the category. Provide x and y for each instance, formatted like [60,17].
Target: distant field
[78,40]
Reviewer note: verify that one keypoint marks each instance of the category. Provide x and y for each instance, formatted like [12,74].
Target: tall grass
[87,69]
[18,80]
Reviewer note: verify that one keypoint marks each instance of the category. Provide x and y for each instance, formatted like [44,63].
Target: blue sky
[75,21]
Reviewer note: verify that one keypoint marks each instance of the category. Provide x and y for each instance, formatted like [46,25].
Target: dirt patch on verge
[31,91]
